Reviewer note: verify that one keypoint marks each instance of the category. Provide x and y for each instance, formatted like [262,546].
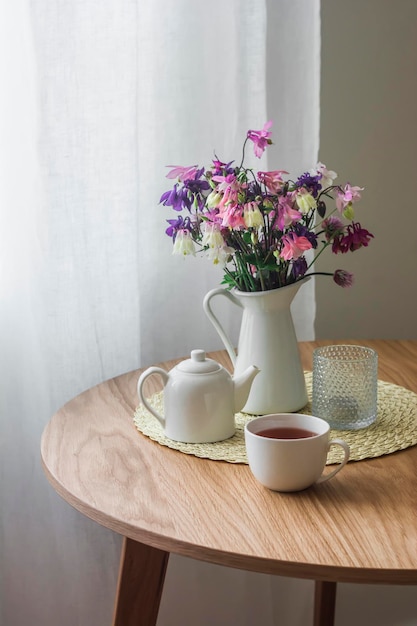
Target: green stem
[243,153]
[261,278]
[319,274]
[325,245]
[246,275]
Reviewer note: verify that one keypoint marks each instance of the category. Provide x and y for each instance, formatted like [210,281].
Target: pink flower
[213,216]
[347,195]
[260,138]
[332,226]
[229,186]
[182,173]
[343,278]
[286,215]
[233,217]
[272,180]
[294,246]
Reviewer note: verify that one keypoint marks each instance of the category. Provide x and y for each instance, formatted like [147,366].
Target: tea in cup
[288,451]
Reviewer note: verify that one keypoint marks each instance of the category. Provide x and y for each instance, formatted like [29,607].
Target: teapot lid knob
[199,364]
[198,355]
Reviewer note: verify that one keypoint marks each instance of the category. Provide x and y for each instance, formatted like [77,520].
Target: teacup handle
[142,378]
[346,449]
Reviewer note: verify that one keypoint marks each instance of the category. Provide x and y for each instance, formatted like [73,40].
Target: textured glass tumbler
[345,386]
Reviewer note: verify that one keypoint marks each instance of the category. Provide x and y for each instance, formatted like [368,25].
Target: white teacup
[288,451]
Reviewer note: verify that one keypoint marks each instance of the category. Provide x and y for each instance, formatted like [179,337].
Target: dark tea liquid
[285,432]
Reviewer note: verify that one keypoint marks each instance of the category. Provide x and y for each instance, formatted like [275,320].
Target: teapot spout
[242,386]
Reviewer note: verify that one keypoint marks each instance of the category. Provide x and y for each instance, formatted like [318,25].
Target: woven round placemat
[395,429]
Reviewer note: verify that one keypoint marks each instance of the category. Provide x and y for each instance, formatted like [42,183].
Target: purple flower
[191,191]
[299,267]
[179,224]
[194,189]
[343,278]
[312,183]
[173,198]
[303,231]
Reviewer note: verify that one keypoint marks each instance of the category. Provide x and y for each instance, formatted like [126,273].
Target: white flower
[305,201]
[327,176]
[216,249]
[213,199]
[219,255]
[183,243]
[212,236]
[252,215]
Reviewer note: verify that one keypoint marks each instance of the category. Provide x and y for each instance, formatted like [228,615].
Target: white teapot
[200,399]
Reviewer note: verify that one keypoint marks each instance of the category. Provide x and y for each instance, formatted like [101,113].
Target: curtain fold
[101,96]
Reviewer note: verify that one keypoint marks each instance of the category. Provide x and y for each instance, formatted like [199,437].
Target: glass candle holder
[345,386]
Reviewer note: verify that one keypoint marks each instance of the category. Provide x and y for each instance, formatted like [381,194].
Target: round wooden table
[359,527]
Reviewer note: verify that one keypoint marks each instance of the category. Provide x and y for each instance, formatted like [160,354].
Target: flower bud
[348,212]
[321,208]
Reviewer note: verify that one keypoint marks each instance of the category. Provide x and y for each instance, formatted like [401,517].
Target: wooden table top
[359,527]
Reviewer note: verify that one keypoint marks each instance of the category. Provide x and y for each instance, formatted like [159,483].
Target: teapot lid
[198,364]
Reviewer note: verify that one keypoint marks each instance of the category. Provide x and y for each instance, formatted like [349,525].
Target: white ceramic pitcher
[267,339]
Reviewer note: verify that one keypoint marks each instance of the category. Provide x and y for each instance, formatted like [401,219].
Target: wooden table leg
[324,603]
[141,580]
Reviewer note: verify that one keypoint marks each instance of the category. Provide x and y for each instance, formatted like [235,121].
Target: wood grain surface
[359,527]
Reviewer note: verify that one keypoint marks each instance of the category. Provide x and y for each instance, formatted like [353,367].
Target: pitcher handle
[215,321]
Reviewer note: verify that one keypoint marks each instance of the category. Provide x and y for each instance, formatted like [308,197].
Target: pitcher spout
[242,386]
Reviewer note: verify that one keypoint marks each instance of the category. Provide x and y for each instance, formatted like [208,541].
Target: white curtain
[97,97]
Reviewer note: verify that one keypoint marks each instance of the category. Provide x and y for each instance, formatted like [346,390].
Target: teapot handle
[142,378]
[215,321]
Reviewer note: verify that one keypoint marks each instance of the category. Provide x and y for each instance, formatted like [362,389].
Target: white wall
[369,136]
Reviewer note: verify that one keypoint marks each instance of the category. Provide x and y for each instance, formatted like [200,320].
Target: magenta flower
[222,168]
[343,278]
[355,238]
[260,138]
[294,246]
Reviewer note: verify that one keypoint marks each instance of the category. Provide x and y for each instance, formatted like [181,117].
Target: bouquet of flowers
[264,228]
